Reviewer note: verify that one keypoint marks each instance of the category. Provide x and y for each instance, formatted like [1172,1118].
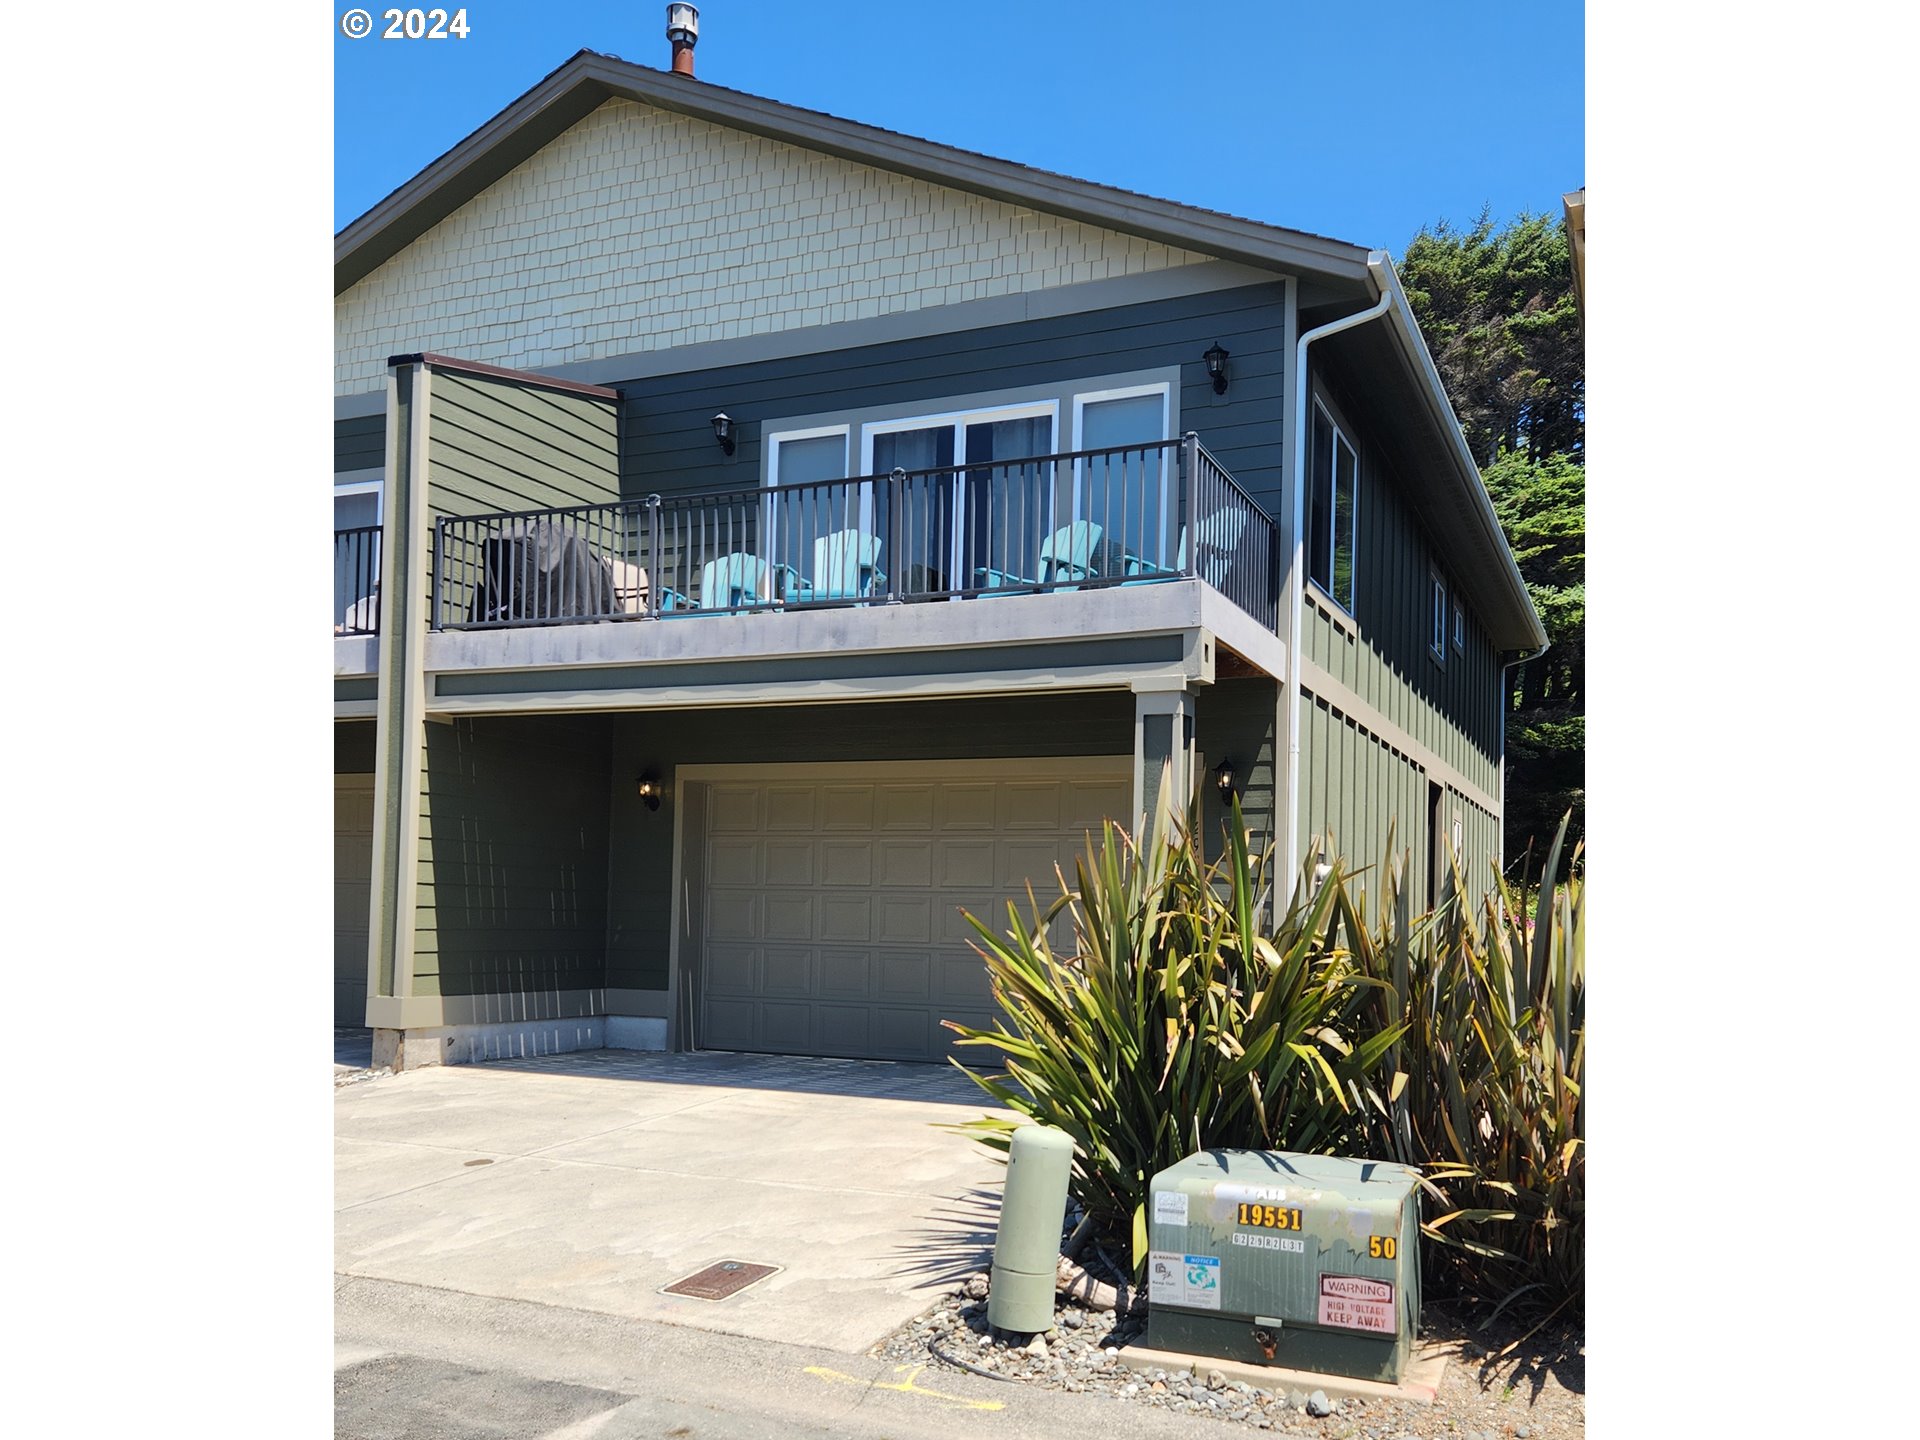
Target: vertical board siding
[360,443]
[499,445]
[513,858]
[667,444]
[1237,720]
[640,890]
[1363,803]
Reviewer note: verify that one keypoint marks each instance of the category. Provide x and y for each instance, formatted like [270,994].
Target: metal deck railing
[1077,520]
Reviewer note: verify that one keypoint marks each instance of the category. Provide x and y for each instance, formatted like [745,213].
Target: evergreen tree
[1498,312]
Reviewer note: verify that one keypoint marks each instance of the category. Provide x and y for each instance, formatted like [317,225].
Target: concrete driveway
[592,1181]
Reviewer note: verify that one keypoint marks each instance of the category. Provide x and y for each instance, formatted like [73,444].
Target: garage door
[352,884]
[832,916]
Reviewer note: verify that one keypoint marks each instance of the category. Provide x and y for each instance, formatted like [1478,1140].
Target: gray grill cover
[541,571]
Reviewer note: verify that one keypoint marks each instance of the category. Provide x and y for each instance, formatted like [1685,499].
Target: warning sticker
[1165,1285]
[1170,1207]
[1202,1282]
[1190,1280]
[1355,1302]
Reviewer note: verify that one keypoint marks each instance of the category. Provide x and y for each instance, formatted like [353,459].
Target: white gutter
[1296,572]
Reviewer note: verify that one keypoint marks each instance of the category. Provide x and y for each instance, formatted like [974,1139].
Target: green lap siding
[504,445]
[667,443]
[513,858]
[360,443]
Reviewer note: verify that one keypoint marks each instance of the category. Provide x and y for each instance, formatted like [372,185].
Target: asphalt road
[416,1363]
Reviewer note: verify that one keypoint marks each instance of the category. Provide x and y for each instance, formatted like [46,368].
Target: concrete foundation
[636,1032]
[514,1040]
[1419,1385]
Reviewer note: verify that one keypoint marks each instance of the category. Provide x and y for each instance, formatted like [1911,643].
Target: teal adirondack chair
[1067,556]
[846,566]
[733,580]
[1219,536]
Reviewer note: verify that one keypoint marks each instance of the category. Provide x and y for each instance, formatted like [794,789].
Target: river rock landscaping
[1533,1391]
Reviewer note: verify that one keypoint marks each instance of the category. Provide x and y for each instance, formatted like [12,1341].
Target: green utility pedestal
[1033,1206]
[1305,1261]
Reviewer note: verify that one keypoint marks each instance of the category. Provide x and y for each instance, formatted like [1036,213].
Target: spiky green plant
[1484,1087]
[1171,1023]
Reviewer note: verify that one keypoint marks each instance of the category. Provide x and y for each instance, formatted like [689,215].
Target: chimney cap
[683,23]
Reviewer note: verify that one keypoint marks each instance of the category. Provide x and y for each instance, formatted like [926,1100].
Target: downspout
[1297,584]
[1501,848]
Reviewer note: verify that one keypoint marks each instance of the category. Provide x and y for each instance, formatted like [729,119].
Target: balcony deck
[1082,569]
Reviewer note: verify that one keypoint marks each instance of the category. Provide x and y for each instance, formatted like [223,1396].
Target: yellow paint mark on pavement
[905,1387]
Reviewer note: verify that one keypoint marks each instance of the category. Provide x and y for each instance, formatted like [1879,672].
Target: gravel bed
[1535,1392]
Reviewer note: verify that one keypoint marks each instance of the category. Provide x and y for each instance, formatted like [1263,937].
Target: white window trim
[818,432]
[958,420]
[1459,624]
[1126,392]
[1340,437]
[368,482]
[1438,581]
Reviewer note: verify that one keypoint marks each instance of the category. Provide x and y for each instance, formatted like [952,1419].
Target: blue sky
[1359,122]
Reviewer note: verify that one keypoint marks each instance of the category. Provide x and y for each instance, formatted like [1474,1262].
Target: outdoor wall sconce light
[650,790]
[1227,782]
[723,431]
[1216,359]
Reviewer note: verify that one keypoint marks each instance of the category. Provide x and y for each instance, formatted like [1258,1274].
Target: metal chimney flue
[683,29]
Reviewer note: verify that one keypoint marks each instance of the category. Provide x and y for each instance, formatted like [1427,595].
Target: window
[356,550]
[1459,625]
[1123,494]
[1437,630]
[1332,509]
[960,528]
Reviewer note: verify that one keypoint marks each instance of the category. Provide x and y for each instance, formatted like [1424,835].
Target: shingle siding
[642,230]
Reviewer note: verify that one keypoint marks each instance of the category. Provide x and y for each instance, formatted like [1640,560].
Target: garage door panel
[844,1029]
[846,917]
[905,920]
[789,862]
[847,862]
[904,976]
[1089,803]
[786,971]
[906,807]
[846,974]
[1030,805]
[1021,862]
[732,969]
[734,808]
[963,983]
[966,863]
[847,807]
[902,1034]
[966,807]
[790,918]
[835,919]
[728,1024]
[791,807]
[907,863]
[734,915]
[786,1026]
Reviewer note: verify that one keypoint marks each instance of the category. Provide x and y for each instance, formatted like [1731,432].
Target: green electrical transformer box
[1306,1261]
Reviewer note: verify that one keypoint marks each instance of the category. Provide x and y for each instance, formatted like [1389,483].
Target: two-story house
[762,536]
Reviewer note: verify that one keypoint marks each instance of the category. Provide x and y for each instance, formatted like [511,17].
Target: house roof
[589,79]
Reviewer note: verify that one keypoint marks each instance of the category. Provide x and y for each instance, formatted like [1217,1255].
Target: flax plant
[1167,1020]
[1483,1089]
